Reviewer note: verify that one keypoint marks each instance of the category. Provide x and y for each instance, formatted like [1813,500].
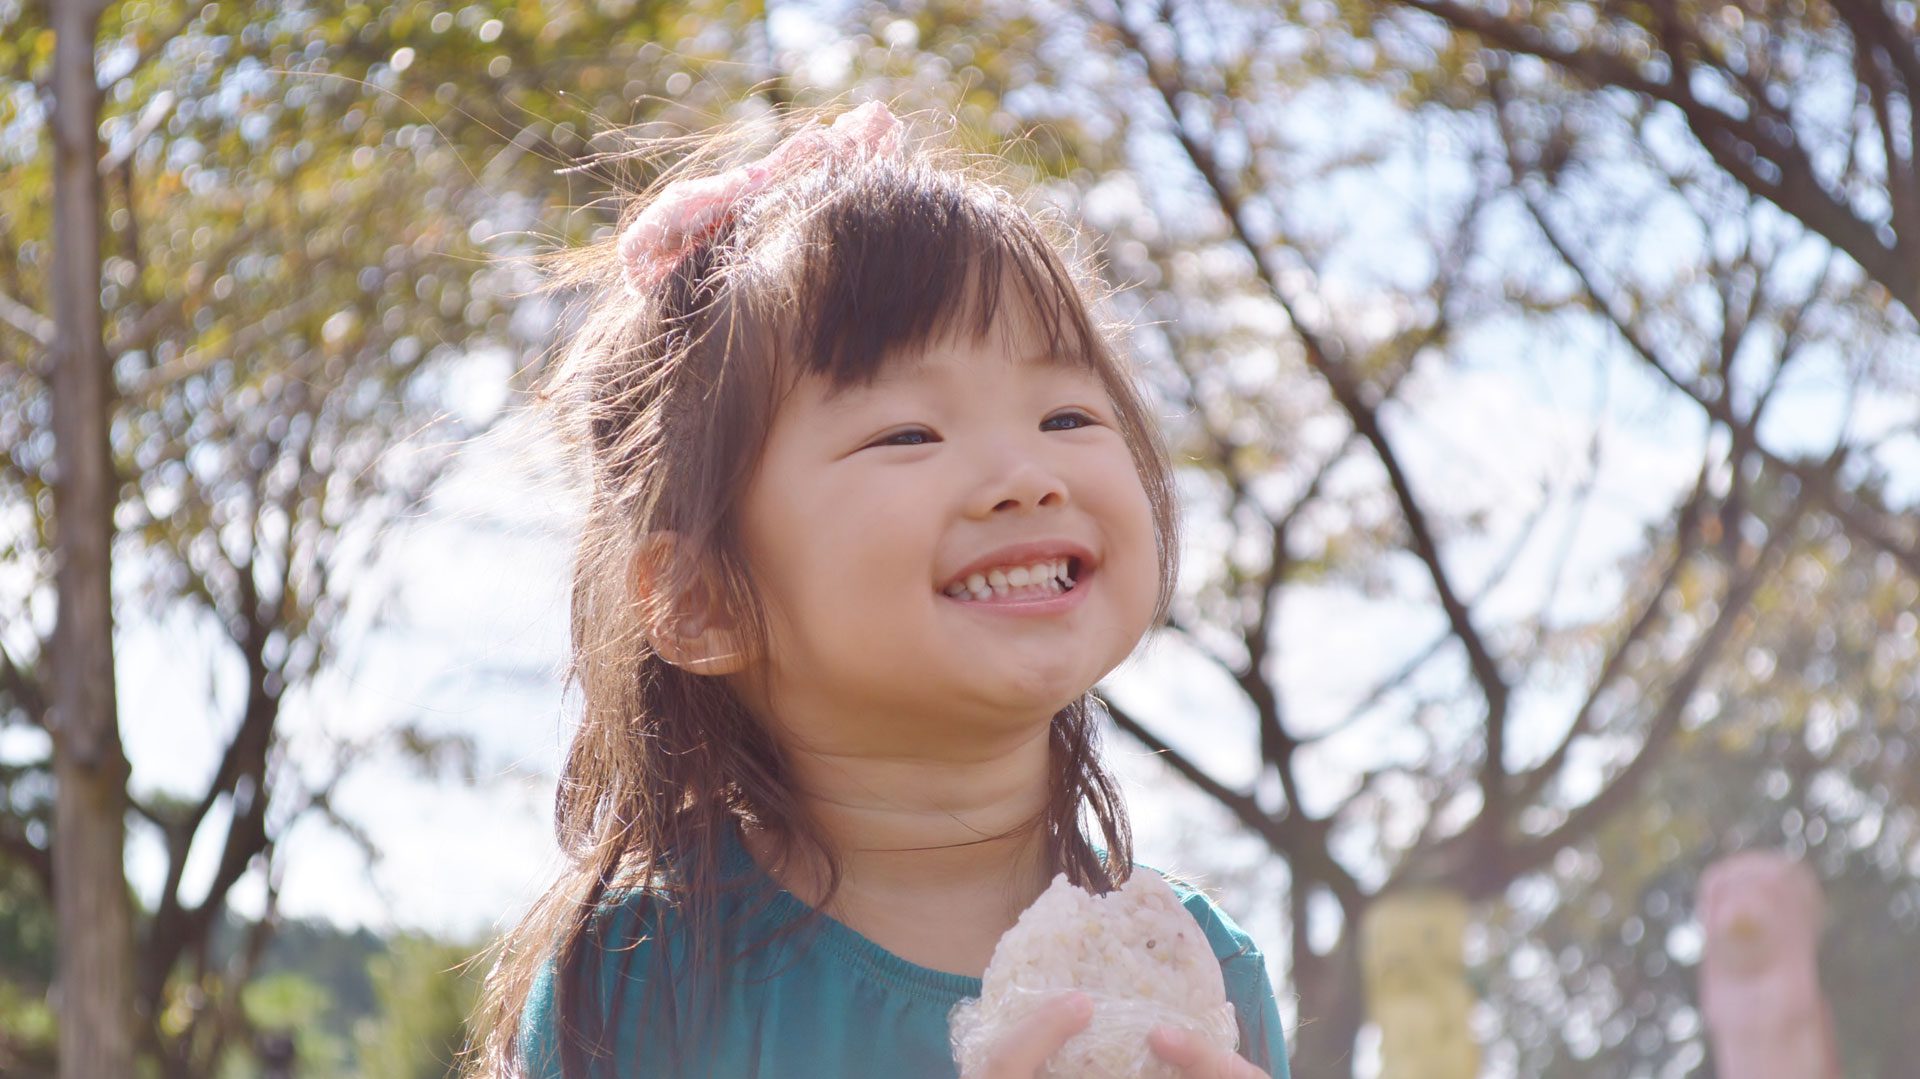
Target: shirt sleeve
[538,1040]
[613,976]
[1244,969]
[1262,1040]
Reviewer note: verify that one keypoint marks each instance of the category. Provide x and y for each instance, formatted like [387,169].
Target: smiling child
[874,505]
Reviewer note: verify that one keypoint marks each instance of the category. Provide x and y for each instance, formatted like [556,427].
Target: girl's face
[954,472]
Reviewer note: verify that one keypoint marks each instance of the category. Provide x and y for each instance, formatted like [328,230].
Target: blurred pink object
[1759,980]
[686,212]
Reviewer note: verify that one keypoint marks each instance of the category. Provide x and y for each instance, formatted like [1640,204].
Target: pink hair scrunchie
[688,211]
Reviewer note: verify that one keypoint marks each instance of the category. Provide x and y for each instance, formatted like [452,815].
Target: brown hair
[668,396]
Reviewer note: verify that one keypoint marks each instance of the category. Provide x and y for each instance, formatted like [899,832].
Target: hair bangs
[906,256]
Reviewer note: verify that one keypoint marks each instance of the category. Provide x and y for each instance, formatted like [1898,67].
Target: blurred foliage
[335,958]
[1809,748]
[425,992]
[316,214]
[409,1025]
[27,1031]
[296,1006]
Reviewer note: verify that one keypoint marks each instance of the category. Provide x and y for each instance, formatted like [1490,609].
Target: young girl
[874,505]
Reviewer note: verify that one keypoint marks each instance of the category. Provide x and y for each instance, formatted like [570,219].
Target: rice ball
[1135,951]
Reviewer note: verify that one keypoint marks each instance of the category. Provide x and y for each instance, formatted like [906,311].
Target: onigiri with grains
[1136,952]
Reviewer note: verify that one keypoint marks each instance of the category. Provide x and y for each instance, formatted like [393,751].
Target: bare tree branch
[193,361]
[35,326]
[26,691]
[1301,838]
[1625,784]
[39,861]
[1686,542]
[1816,477]
[152,47]
[1738,145]
[1322,356]
[151,117]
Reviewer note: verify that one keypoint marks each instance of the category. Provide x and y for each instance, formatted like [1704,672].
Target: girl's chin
[1034,693]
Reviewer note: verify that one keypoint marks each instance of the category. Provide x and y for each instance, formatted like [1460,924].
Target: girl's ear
[692,631]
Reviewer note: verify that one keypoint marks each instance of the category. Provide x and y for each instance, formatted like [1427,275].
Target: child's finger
[1197,1060]
[1027,1046]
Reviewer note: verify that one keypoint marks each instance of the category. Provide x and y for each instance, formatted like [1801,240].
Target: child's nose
[1020,485]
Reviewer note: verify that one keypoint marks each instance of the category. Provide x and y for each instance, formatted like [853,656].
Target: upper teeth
[996,581]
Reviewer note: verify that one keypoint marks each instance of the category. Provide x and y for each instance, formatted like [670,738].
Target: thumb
[1021,1052]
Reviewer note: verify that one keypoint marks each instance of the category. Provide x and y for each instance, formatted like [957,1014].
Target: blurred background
[1542,377]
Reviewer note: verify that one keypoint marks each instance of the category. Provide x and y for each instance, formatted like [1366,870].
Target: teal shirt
[831,1004]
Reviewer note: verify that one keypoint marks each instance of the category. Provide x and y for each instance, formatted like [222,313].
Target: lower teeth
[1053,587]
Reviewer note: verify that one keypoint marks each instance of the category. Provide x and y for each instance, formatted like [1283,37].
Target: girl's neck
[925,831]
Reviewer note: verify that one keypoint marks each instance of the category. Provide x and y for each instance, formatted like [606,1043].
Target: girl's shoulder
[1230,942]
[614,944]
[639,951]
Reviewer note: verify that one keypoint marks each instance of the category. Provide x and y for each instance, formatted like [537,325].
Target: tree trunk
[1331,1008]
[95,918]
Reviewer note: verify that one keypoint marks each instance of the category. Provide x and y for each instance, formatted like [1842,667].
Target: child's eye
[1078,418]
[912,436]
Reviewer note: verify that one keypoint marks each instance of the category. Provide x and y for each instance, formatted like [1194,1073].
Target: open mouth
[1042,580]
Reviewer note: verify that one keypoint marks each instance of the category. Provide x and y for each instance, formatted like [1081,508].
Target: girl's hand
[1195,1060]
[1027,1046]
